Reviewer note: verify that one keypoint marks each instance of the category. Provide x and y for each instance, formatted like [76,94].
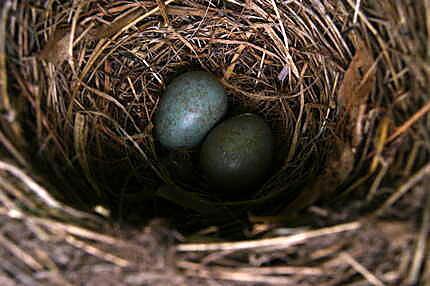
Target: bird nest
[89,196]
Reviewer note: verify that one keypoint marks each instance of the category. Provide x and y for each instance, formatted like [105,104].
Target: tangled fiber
[88,196]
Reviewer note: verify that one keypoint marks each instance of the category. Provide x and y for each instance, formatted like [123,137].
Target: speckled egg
[191,105]
[237,154]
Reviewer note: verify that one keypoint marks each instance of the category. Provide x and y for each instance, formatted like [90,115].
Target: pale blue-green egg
[191,105]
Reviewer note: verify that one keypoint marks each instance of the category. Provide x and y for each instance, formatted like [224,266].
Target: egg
[189,108]
[237,154]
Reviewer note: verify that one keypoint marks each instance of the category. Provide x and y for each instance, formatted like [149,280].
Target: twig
[78,231]
[403,189]
[5,102]
[361,269]
[233,275]
[356,10]
[163,12]
[146,15]
[280,242]
[411,121]
[19,253]
[38,189]
[421,250]
[12,150]
[97,252]
[269,270]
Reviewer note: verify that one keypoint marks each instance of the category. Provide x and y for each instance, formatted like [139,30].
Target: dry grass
[344,85]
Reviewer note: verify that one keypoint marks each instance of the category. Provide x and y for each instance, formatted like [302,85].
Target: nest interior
[343,85]
[99,109]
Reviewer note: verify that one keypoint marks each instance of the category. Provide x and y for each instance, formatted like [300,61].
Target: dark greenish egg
[237,154]
[191,105]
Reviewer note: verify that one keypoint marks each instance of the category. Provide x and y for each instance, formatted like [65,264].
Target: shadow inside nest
[133,179]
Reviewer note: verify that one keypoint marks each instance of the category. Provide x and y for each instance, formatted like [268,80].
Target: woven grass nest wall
[88,196]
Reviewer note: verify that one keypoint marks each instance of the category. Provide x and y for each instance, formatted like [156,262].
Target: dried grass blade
[35,187]
[370,277]
[422,246]
[20,253]
[90,249]
[7,113]
[80,135]
[404,188]
[279,242]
